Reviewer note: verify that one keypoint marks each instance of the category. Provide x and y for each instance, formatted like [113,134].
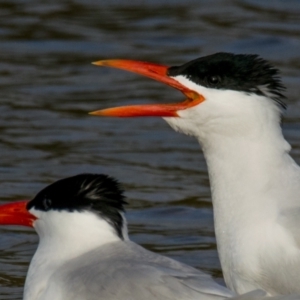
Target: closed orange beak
[16,214]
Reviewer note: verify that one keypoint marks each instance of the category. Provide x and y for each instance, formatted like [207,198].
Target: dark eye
[213,80]
[47,203]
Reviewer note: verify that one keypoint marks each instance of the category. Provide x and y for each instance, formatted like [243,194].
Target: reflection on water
[48,85]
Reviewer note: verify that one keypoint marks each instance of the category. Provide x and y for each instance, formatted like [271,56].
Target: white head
[83,211]
[242,94]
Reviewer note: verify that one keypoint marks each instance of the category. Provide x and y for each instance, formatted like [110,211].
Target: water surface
[48,85]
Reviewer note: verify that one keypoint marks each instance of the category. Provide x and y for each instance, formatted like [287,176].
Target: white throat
[253,181]
[63,236]
[248,183]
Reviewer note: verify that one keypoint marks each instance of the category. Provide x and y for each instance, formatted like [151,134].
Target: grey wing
[135,282]
[127,271]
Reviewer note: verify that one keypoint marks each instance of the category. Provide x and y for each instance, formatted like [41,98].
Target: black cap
[238,72]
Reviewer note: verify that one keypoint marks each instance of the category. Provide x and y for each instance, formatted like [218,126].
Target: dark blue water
[48,86]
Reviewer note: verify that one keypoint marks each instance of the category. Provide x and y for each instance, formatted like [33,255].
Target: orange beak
[16,214]
[156,72]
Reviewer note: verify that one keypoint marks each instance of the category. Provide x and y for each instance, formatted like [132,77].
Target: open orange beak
[154,71]
[16,214]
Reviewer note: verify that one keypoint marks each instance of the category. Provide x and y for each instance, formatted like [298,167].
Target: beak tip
[95,113]
[99,63]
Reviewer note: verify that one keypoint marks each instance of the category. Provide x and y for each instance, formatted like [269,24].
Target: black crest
[100,194]
[239,72]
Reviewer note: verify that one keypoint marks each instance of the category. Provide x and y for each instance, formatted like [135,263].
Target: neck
[83,232]
[249,176]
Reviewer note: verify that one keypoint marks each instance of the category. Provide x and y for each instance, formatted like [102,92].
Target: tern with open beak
[233,107]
